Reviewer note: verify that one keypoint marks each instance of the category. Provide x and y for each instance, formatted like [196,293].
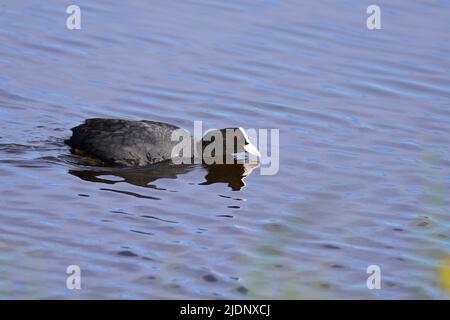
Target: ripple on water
[363,119]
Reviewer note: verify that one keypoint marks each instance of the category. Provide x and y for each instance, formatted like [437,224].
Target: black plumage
[139,143]
[124,142]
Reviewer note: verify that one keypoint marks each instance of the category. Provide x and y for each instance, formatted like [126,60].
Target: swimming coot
[139,143]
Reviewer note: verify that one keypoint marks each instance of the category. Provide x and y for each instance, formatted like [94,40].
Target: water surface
[364,120]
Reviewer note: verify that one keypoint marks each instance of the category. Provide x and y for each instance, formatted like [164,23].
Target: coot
[140,143]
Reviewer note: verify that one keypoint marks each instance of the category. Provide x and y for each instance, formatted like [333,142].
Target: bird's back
[124,142]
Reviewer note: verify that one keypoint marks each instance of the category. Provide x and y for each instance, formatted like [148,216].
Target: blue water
[364,122]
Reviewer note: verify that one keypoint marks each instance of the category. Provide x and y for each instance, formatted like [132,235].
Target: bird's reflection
[231,174]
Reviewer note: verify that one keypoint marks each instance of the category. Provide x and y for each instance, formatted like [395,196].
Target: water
[364,119]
